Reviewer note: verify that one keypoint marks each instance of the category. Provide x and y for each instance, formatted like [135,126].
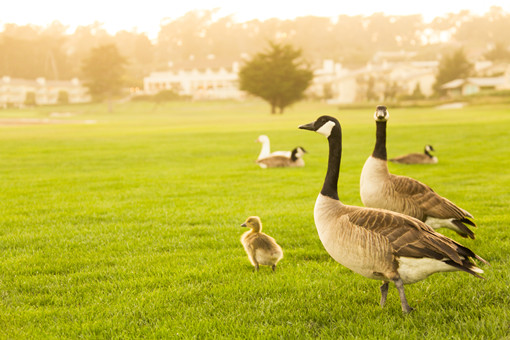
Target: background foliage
[280,76]
[196,39]
[104,71]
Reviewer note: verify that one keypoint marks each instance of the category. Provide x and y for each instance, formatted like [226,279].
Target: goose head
[254,223]
[429,148]
[325,125]
[381,114]
[297,153]
[262,139]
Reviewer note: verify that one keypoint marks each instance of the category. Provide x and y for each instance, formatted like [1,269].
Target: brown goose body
[376,243]
[417,158]
[380,189]
[414,158]
[281,161]
[383,245]
[261,248]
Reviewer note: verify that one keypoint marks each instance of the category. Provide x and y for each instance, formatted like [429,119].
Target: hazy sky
[146,15]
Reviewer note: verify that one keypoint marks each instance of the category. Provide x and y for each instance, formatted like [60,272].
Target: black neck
[330,187]
[293,156]
[428,153]
[380,141]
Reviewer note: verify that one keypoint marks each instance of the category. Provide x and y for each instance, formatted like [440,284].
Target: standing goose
[417,158]
[380,189]
[266,148]
[376,243]
[278,161]
[261,248]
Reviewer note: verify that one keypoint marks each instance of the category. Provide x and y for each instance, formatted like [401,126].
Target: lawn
[129,227]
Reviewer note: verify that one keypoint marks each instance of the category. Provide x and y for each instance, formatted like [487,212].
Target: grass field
[130,227]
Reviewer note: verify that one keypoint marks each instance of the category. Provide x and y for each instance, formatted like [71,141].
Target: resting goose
[278,161]
[417,158]
[266,148]
[380,189]
[262,249]
[380,244]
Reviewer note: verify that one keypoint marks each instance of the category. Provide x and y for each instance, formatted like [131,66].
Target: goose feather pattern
[381,189]
[376,243]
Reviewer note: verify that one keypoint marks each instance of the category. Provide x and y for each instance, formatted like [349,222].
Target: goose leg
[274,267]
[403,301]
[256,267]
[384,292]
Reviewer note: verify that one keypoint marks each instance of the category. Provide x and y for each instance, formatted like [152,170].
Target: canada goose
[417,158]
[376,243]
[277,161]
[380,189]
[266,148]
[261,248]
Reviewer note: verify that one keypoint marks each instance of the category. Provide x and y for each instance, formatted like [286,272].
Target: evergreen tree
[280,76]
[104,71]
[451,67]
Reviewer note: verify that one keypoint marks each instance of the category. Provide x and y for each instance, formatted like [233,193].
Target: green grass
[129,228]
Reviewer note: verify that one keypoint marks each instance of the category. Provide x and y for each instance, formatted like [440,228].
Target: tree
[500,53]
[417,94]
[451,67]
[63,97]
[104,71]
[280,76]
[30,99]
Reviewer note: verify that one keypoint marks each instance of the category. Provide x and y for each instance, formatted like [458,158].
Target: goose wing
[410,237]
[420,196]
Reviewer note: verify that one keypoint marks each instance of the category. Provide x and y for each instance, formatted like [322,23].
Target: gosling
[261,248]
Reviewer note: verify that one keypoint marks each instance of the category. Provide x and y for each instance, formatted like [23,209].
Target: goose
[381,189]
[417,158]
[278,161]
[261,248]
[376,243]
[266,148]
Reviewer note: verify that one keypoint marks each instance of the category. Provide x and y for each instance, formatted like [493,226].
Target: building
[14,92]
[473,85]
[209,83]
[339,85]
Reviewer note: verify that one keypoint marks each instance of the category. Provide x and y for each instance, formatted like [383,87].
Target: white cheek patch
[384,116]
[325,130]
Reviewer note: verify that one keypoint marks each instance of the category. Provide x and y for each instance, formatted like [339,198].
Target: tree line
[198,40]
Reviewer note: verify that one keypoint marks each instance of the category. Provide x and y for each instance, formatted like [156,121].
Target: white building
[14,91]
[331,81]
[221,83]
[473,85]
[342,86]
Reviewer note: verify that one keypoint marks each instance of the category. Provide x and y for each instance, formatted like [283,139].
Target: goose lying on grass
[380,244]
[417,158]
[380,189]
[277,161]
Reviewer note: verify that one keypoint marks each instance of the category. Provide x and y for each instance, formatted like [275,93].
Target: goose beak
[309,126]
[243,225]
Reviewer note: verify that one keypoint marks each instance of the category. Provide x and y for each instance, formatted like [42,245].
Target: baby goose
[262,249]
